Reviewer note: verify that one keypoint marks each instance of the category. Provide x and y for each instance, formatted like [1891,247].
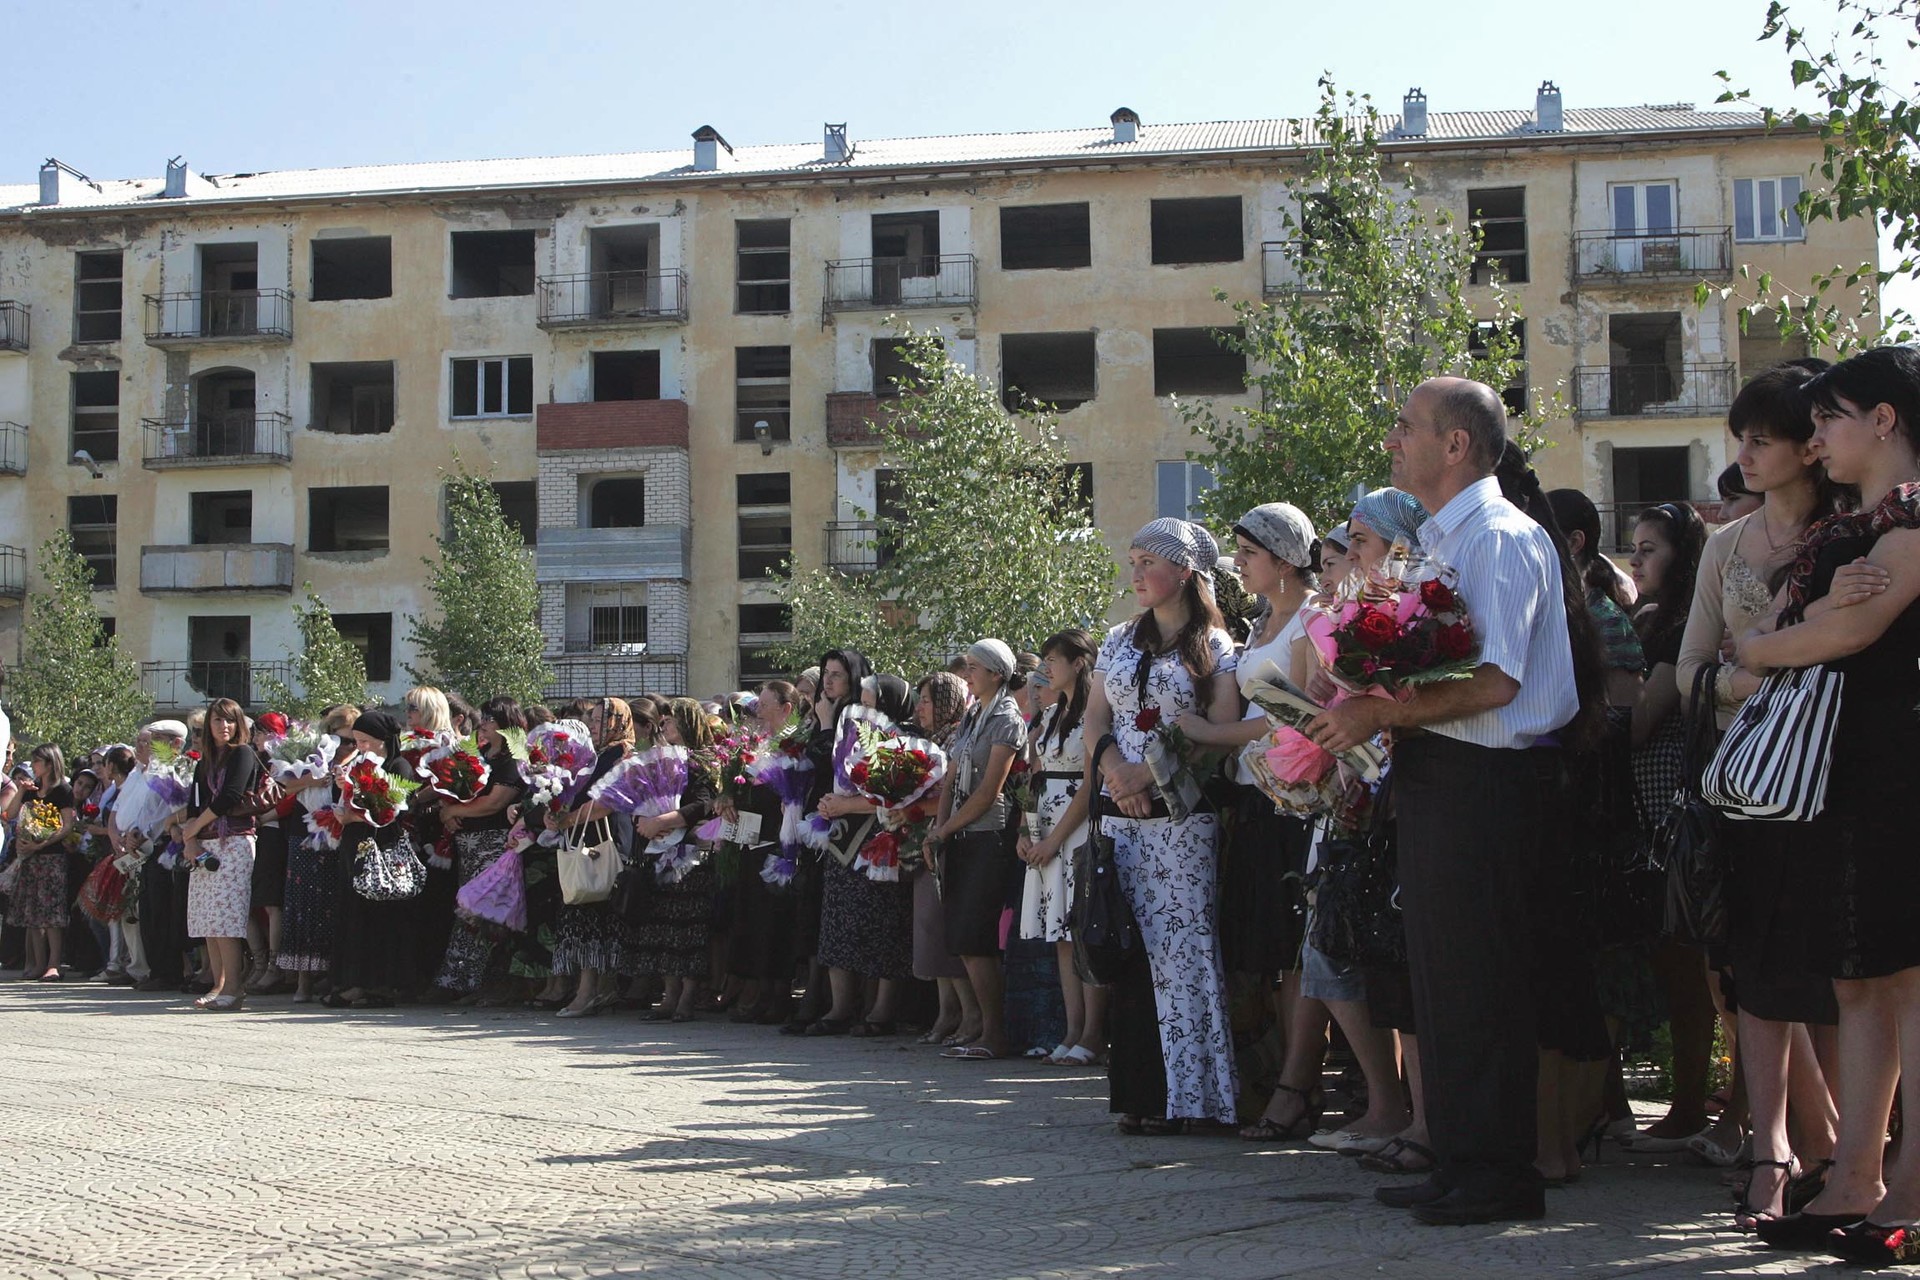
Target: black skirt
[270,866]
[973,891]
[1263,904]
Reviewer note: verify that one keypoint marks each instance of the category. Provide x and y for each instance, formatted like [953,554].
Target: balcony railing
[13,448]
[175,686]
[1683,253]
[217,568]
[857,546]
[603,675]
[1653,390]
[16,320]
[1617,520]
[862,284]
[593,299]
[13,572]
[218,440]
[220,315]
[1280,270]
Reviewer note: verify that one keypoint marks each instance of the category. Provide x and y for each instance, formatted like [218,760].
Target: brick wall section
[612,424]
[850,418]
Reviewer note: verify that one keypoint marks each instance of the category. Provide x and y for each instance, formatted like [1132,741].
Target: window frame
[109,526]
[507,365]
[1785,213]
[76,411]
[742,252]
[81,283]
[1193,480]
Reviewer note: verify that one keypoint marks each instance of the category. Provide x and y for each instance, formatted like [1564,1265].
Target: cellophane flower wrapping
[1401,626]
[170,774]
[325,824]
[300,753]
[416,743]
[40,821]
[382,796]
[498,895]
[647,784]
[1297,759]
[559,760]
[782,767]
[900,775]
[816,831]
[456,771]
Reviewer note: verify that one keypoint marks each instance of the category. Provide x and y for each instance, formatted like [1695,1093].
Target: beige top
[1728,595]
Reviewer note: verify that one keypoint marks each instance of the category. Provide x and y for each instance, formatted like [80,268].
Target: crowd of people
[1452,880]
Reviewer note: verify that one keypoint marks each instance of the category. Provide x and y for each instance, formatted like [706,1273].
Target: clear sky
[115,87]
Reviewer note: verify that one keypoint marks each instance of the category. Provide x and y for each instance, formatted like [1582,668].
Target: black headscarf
[893,698]
[381,725]
[858,669]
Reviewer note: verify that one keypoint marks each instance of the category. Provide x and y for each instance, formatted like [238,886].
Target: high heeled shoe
[1299,1129]
[1745,1215]
[1875,1245]
[1803,1230]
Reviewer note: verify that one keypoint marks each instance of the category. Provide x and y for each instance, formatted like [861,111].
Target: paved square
[140,1138]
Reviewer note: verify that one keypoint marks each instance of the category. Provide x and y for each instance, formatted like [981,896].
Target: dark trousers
[162,921]
[1470,825]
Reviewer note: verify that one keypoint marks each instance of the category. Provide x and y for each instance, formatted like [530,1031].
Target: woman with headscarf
[373,942]
[672,937]
[760,951]
[866,926]
[940,704]
[307,927]
[1171,1060]
[971,842]
[590,938]
[479,828]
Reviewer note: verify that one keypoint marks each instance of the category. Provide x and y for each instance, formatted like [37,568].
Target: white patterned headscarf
[1180,542]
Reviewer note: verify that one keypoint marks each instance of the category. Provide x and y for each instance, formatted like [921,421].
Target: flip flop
[1074,1056]
[1392,1158]
[970,1053]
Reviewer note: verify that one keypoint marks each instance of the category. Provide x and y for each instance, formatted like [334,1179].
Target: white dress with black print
[1167,869]
[1059,770]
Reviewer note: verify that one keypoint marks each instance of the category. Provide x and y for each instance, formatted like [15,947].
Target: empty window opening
[893,374]
[230,284]
[97,296]
[353,518]
[493,387]
[492,264]
[765,522]
[765,620]
[225,517]
[96,414]
[219,657]
[93,520]
[520,507]
[1201,230]
[358,267]
[763,392]
[626,375]
[625,262]
[1040,236]
[1178,487]
[1644,361]
[1195,362]
[372,635]
[353,398]
[1643,478]
[1053,368]
[615,502]
[1479,347]
[910,239]
[763,266]
[1501,214]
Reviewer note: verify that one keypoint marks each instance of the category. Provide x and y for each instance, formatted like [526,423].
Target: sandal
[829,1027]
[1394,1158]
[870,1029]
[1745,1216]
[1076,1056]
[1161,1127]
[1299,1129]
[1803,1187]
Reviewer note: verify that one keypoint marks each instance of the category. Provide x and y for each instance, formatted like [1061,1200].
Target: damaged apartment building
[227,387]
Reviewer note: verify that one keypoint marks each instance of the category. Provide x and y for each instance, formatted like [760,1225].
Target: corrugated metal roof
[877,154]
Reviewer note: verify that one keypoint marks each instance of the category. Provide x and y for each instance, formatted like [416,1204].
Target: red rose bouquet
[1400,631]
[380,795]
[455,771]
[900,775]
[559,759]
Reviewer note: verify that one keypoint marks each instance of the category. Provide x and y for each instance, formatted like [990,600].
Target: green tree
[1374,304]
[1000,543]
[486,640]
[75,685]
[1869,168]
[328,669]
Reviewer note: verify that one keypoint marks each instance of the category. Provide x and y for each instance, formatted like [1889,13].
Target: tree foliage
[999,540]
[328,670]
[1374,304]
[486,640]
[75,685]
[1869,167]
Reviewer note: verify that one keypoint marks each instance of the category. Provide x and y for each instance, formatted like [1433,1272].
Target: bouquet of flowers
[836,835]
[415,744]
[1296,773]
[559,758]
[782,767]
[899,774]
[736,754]
[302,752]
[380,795]
[40,821]
[325,824]
[455,771]
[1403,626]
[1024,795]
[1167,758]
[170,774]
[649,784]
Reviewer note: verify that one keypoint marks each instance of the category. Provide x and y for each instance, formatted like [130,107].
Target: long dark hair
[1070,705]
[1203,618]
[1682,527]
[1577,514]
[1780,403]
[227,710]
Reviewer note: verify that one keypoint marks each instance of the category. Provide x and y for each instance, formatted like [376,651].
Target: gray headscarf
[1180,542]
[1284,530]
[1395,515]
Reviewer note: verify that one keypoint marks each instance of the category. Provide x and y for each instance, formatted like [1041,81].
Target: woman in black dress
[479,827]
[590,938]
[673,932]
[374,943]
[760,952]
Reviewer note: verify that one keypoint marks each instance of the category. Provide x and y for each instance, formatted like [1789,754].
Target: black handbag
[1105,935]
[1616,891]
[633,889]
[1686,840]
[1356,916]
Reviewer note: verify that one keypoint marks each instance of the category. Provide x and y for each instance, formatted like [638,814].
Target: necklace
[1766,527]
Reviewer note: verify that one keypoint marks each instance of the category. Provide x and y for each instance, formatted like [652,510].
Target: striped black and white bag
[1773,762]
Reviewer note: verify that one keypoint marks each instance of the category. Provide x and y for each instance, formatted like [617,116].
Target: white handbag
[1773,762]
[588,867]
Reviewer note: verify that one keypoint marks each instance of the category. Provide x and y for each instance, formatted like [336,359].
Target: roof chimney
[177,176]
[1547,116]
[707,143]
[59,180]
[838,152]
[1413,113]
[1126,124]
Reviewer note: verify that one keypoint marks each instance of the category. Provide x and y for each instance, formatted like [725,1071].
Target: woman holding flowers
[674,931]
[760,952]
[940,702]
[838,682]
[373,946]
[220,888]
[479,825]
[589,938]
[1056,826]
[1172,1057]
[40,905]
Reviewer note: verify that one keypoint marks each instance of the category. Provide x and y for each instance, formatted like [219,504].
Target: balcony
[603,675]
[856,546]
[13,448]
[611,424]
[15,322]
[217,440]
[219,315]
[1280,270]
[1653,390]
[228,568]
[653,551]
[13,573]
[1681,254]
[176,686]
[868,284]
[612,299]
[852,418]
